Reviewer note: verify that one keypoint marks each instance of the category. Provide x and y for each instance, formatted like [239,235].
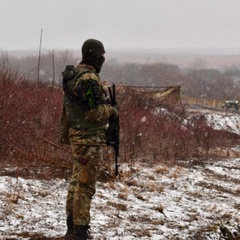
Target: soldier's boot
[70,228]
[82,232]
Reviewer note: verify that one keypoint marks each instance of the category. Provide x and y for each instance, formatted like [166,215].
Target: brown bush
[30,115]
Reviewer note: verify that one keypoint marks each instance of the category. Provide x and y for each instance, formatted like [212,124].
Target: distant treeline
[196,80]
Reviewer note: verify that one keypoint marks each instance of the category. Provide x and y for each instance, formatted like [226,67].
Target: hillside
[189,199]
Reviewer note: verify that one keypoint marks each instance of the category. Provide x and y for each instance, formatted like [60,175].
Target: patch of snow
[224,122]
[174,204]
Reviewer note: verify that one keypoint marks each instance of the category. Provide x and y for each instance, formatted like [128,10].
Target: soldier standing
[87,113]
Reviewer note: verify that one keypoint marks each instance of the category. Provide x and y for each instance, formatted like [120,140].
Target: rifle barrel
[115,142]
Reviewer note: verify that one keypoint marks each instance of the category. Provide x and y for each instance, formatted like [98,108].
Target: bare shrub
[152,130]
[30,113]
[161,132]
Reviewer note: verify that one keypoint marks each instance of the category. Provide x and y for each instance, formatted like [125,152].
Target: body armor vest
[75,107]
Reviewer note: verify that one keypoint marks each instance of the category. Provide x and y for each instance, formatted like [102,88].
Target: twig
[54,144]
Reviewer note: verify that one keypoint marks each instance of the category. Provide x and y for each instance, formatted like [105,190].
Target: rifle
[113,129]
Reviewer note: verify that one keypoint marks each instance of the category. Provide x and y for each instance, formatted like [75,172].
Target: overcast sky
[120,23]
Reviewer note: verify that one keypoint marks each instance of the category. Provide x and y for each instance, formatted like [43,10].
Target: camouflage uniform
[87,158]
[88,119]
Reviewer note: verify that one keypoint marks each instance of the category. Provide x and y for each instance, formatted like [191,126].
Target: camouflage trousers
[87,159]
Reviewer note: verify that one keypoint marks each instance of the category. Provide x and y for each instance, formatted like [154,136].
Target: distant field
[208,58]
[180,59]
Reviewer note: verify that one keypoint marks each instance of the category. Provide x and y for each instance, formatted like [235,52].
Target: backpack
[70,73]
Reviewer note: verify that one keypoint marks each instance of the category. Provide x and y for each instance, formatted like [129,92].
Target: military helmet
[92,53]
[92,47]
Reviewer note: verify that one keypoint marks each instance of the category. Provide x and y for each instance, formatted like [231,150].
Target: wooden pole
[53,63]
[39,57]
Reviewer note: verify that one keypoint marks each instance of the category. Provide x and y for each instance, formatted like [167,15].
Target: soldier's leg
[72,187]
[86,185]
[69,202]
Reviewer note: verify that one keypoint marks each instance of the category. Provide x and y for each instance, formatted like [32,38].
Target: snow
[155,202]
[172,204]
[230,123]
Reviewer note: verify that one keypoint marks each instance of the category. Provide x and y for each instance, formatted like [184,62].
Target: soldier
[87,113]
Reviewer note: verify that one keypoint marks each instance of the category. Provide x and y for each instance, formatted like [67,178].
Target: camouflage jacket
[92,111]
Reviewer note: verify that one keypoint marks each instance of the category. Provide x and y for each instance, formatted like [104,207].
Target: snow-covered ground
[150,202]
[229,123]
[156,202]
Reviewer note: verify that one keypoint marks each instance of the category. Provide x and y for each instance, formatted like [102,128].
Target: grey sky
[120,23]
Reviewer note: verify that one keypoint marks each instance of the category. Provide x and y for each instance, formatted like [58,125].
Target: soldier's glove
[105,101]
[115,113]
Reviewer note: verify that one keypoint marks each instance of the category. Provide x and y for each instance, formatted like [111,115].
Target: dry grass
[161,169]
[123,195]
[12,196]
[144,233]
[159,208]
[117,206]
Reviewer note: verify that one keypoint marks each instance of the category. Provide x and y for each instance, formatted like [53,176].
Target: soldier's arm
[89,89]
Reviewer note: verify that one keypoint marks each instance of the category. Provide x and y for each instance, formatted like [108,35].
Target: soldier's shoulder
[89,75]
